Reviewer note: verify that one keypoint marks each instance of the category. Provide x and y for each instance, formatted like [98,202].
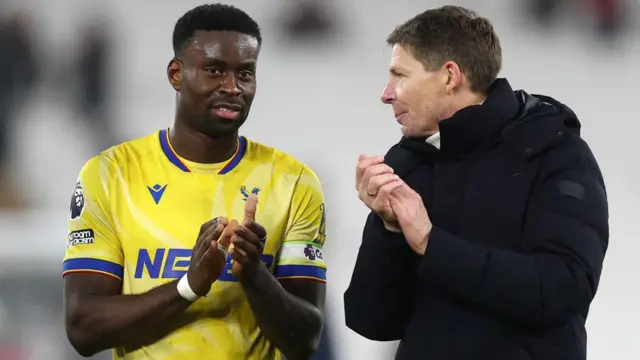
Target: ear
[174,73]
[454,76]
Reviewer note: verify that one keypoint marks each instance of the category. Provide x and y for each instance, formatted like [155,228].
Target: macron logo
[156,192]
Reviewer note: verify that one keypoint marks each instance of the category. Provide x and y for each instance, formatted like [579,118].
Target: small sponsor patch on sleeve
[572,189]
[301,259]
[77,201]
[81,237]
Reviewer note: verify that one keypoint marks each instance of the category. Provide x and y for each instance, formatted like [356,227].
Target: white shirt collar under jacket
[434,140]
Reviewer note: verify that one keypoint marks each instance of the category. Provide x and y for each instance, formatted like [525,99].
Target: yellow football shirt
[136,212]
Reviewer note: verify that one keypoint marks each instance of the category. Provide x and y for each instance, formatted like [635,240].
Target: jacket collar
[474,126]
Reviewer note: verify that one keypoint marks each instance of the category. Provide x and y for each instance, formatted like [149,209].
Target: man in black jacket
[489,220]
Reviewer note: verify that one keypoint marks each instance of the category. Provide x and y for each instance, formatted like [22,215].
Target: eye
[394,73]
[214,71]
[245,74]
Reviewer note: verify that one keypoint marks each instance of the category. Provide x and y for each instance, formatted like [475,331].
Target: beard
[215,127]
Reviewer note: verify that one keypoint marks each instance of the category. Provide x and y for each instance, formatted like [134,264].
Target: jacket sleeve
[566,236]
[378,301]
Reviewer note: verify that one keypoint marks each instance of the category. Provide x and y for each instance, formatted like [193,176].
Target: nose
[388,94]
[229,85]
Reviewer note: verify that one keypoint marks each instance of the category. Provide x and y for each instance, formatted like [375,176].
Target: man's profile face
[218,80]
[417,96]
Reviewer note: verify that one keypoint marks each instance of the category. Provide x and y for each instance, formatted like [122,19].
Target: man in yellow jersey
[194,242]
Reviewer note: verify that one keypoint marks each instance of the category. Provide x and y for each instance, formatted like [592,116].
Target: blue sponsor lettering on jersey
[173,263]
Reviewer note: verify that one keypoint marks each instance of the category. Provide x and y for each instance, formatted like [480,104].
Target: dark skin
[290,311]
[215,67]
[99,317]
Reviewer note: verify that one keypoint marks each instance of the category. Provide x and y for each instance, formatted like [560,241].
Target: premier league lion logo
[312,253]
[309,252]
[77,201]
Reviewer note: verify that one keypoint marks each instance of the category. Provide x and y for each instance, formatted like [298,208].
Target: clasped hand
[214,244]
[400,207]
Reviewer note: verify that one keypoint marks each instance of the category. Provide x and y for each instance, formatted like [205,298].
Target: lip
[226,113]
[228,105]
[399,117]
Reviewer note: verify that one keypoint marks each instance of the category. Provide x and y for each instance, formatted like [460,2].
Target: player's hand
[207,260]
[374,181]
[248,242]
[412,216]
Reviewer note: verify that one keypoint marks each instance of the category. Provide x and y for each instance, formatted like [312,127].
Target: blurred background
[77,76]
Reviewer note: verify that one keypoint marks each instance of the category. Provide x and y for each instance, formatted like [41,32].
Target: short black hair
[212,17]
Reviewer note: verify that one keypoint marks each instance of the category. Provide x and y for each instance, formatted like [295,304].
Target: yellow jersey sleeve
[92,245]
[300,254]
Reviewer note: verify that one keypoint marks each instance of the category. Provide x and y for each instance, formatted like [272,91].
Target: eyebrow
[213,61]
[210,60]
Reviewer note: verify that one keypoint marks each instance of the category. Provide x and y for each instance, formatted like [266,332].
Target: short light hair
[453,33]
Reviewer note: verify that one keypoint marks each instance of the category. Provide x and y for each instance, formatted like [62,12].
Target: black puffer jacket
[520,232]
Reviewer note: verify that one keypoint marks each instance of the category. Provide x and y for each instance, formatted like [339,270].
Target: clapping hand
[412,216]
[248,241]
[209,255]
[374,181]
[399,206]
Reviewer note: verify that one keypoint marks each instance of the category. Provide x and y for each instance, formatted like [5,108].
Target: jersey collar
[171,155]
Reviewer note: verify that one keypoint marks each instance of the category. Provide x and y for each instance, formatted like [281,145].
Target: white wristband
[185,290]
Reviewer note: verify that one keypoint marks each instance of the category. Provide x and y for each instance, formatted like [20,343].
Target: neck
[465,100]
[478,99]
[200,148]
[472,99]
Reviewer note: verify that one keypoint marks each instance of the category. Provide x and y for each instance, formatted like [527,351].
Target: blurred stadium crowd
[83,80]
[85,73]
